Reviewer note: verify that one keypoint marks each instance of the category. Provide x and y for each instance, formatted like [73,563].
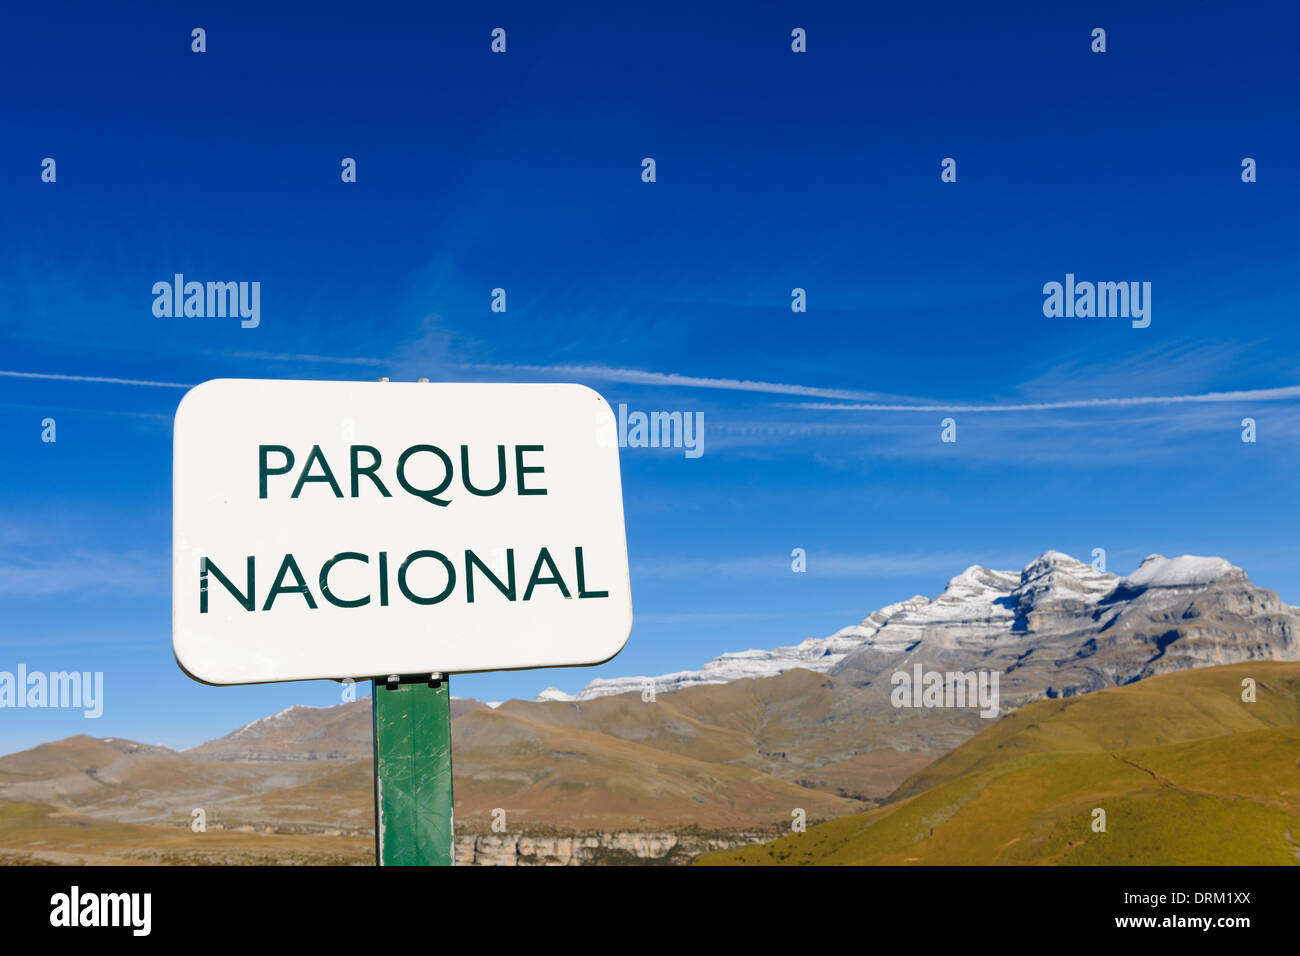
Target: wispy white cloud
[1285,393]
[1170,368]
[51,376]
[871,401]
[85,572]
[632,376]
[298,357]
[55,409]
[857,401]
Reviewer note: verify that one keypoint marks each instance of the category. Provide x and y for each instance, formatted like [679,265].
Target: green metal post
[413,798]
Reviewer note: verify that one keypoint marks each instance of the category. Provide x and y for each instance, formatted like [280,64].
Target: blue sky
[775,170]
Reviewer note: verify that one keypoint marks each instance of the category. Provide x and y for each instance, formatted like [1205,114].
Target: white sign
[361,529]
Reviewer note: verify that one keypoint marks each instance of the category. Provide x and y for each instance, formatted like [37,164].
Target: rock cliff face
[587,849]
[1055,628]
[1060,628]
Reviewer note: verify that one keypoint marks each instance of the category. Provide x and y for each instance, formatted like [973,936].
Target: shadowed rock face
[1060,627]
[1056,627]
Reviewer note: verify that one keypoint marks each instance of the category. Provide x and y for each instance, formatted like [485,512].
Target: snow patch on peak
[978,583]
[1054,576]
[1050,561]
[1052,556]
[248,727]
[1187,570]
[553,693]
[874,621]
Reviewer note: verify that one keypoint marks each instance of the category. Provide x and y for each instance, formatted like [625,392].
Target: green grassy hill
[1186,772]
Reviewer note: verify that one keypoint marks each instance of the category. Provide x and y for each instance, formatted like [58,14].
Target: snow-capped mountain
[814,654]
[1057,627]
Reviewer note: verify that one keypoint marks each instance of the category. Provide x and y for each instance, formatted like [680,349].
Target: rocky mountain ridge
[1055,628]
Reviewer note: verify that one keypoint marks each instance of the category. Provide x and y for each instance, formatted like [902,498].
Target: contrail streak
[633,376]
[92,378]
[1241,395]
[639,377]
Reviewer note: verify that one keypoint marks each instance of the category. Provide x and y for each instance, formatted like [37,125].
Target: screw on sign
[450,528]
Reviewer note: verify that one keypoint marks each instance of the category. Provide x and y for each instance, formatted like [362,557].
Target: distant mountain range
[731,748]
[1056,628]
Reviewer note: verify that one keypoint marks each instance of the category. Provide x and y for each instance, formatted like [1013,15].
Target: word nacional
[545,572]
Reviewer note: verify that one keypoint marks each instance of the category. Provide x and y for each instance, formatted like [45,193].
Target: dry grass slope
[1186,772]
